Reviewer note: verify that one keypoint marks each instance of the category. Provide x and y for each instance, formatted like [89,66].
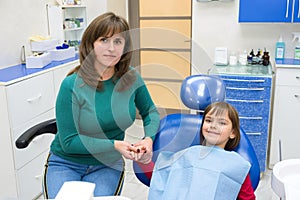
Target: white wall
[25,18]
[216,24]
[118,6]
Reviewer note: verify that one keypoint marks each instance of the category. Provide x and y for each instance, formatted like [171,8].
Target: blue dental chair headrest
[198,91]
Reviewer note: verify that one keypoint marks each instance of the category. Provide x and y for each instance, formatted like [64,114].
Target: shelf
[73,29]
[73,6]
[67,23]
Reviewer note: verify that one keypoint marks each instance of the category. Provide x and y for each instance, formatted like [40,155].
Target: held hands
[140,151]
[144,150]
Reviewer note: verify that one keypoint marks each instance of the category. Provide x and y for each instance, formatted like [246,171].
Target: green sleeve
[147,109]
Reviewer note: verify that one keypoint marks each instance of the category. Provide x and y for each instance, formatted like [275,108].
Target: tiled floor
[135,190]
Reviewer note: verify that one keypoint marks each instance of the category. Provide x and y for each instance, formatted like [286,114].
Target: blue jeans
[108,180]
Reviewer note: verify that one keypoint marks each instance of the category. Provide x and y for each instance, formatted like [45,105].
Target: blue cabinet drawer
[246,81]
[254,125]
[251,108]
[247,93]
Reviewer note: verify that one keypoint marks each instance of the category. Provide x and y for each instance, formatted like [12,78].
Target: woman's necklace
[107,74]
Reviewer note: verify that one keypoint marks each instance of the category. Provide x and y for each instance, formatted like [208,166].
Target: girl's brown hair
[105,25]
[220,108]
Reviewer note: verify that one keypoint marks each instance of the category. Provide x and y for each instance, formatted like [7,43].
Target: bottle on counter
[265,58]
[243,58]
[280,49]
[296,40]
[232,59]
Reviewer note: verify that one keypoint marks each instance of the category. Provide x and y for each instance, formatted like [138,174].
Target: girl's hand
[144,151]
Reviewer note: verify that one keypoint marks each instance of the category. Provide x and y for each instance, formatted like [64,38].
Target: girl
[207,171]
[221,127]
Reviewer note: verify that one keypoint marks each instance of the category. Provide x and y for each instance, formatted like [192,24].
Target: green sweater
[89,121]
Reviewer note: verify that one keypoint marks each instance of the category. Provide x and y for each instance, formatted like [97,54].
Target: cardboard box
[43,45]
[39,61]
[62,54]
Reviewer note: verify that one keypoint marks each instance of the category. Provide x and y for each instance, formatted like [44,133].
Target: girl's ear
[232,135]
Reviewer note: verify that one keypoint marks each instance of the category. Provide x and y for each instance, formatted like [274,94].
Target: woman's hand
[126,149]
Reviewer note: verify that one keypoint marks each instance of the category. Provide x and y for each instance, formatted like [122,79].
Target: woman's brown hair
[105,25]
[220,108]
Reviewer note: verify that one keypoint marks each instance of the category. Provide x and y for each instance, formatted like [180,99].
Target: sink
[285,179]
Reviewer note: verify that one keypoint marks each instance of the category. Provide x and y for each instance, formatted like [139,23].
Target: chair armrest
[48,126]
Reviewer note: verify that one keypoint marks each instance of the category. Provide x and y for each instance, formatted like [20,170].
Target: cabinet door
[164,54]
[296,11]
[266,10]
[285,129]
[30,178]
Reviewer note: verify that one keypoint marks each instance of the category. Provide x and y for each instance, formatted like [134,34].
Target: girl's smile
[217,130]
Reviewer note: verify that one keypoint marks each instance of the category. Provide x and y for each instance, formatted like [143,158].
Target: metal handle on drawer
[252,89]
[298,9]
[30,100]
[38,176]
[258,118]
[254,133]
[287,8]
[241,80]
[246,101]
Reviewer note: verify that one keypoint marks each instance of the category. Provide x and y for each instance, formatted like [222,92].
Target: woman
[96,103]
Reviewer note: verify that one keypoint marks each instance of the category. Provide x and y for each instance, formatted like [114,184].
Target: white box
[221,56]
[38,61]
[43,45]
[62,54]
[76,190]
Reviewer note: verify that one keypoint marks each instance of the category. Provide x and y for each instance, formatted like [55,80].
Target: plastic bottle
[243,58]
[280,49]
[233,59]
[296,40]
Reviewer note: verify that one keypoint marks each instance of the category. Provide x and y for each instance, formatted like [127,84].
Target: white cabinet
[25,100]
[285,125]
[67,23]
[38,98]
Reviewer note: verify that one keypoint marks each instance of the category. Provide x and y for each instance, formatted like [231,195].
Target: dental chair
[179,131]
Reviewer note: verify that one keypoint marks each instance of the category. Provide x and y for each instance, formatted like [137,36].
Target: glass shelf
[74,29]
[257,70]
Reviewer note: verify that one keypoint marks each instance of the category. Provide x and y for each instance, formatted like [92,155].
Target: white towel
[76,190]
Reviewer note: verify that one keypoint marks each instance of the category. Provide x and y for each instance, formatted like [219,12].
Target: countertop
[247,70]
[19,72]
[288,63]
